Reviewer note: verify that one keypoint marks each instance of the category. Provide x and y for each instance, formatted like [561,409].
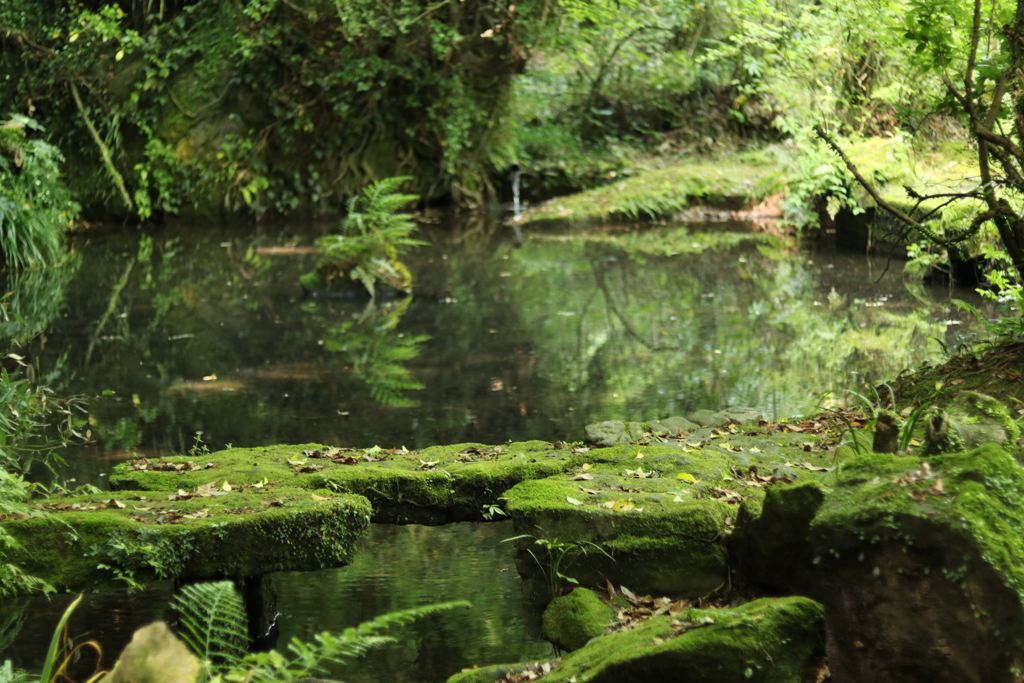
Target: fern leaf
[212,621]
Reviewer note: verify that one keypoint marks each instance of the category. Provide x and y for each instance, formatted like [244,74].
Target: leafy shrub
[35,207]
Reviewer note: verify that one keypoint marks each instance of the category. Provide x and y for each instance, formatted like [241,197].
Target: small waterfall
[516,208]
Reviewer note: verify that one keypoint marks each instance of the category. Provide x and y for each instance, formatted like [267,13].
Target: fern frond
[354,642]
[404,617]
[308,659]
[212,621]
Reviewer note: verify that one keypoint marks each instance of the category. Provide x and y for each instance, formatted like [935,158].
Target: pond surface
[206,330]
[202,337]
[397,567]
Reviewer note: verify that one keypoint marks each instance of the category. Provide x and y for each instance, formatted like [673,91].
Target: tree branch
[948,243]
[972,58]
[999,140]
[104,150]
[820,132]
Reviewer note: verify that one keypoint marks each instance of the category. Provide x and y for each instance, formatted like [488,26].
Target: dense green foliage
[265,105]
[971,54]
[211,619]
[35,206]
[619,79]
[33,425]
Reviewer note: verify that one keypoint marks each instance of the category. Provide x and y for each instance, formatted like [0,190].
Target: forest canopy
[265,107]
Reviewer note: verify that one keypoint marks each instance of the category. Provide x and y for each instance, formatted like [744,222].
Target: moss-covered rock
[770,545]
[571,620]
[664,191]
[658,515]
[971,420]
[921,568]
[488,674]
[88,542]
[454,483]
[641,537]
[617,433]
[766,640]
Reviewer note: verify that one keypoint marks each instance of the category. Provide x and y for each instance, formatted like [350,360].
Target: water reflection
[208,331]
[407,566]
[397,567]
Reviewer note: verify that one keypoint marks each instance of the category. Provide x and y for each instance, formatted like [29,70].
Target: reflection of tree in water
[377,351]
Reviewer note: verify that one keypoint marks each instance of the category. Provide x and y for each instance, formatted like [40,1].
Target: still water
[397,567]
[207,331]
[202,337]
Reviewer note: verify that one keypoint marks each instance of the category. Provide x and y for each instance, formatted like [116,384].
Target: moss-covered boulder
[768,640]
[219,531]
[571,620]
[921,568]
[498,672]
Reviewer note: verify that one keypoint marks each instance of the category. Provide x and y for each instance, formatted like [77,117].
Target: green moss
[572,620]
[434,486]
[768,640]
[487,674]
[977,405]
[656,543]
[881,498]
[238,534]
[664,191]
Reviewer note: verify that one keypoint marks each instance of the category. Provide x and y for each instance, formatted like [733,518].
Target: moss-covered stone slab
[920,565]
[617,433]
[772,640]
[129,538]
[658,515]
[570,621]
[631,533]
[437,485]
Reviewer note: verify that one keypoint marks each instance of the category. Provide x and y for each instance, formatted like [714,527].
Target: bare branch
[957,95]
[1013,175]
[906,219]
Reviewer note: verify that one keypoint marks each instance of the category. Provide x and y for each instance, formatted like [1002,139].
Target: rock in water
[155,655]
